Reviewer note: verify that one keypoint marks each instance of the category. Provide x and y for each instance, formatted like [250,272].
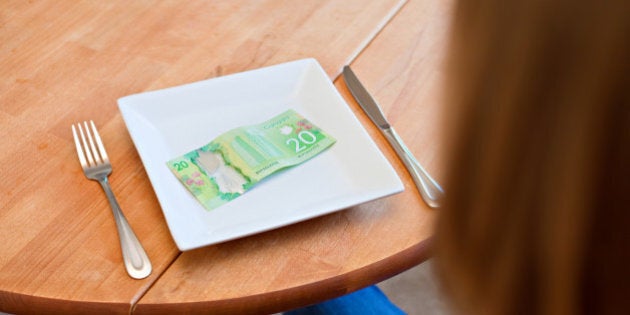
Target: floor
[416,291]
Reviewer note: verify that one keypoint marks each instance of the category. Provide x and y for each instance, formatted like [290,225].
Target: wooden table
[68,61]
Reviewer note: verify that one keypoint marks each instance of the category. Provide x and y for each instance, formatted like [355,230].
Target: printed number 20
[181,165]
[304,137]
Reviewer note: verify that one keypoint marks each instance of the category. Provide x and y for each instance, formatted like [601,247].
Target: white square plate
[167,123]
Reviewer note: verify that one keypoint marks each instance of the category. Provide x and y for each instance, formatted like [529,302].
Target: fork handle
[135,258]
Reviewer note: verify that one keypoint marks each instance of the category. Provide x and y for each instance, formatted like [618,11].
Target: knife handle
[429,189]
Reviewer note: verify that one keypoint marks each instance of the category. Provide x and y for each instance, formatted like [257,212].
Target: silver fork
[96,166]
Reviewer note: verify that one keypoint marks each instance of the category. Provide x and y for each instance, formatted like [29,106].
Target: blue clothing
[368,301]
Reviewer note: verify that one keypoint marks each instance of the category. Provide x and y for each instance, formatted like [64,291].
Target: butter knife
[430,190]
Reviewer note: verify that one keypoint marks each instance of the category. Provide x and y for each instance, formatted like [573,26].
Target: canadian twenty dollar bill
[237,160]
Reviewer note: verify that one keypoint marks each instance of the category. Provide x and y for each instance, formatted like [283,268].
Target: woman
[537,220]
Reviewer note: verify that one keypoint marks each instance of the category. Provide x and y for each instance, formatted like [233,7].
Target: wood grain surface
[68,61]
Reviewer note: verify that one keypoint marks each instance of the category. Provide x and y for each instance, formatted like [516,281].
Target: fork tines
[89,155]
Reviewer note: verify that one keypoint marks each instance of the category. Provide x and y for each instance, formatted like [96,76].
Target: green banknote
[237,160]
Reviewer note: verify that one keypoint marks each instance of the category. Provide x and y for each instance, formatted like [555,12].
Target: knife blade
[429,189]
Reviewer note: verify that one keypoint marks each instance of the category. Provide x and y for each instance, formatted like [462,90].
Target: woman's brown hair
[537,214]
